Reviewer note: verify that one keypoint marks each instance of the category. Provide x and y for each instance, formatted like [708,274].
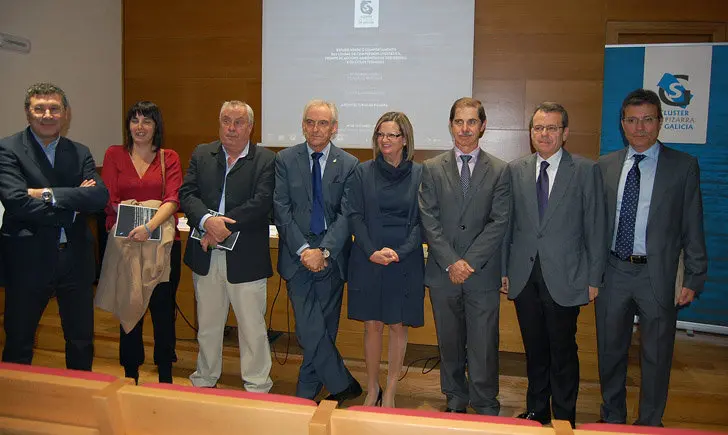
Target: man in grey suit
[554,254]
[654,210]
[313,248]
[464,200]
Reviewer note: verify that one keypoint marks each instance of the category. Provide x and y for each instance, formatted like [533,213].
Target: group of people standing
[552,230]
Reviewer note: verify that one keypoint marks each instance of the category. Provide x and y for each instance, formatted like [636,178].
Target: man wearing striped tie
[464,200]
[654,211]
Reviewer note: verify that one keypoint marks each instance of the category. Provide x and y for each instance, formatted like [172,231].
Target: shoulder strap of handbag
[164,178]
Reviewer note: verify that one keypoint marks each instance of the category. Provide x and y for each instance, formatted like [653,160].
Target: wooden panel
[577,97]
[667,10]
[192,19]
[662,39]
[543,56]
[656,32]
[533,17]
[503,101]
[163,56]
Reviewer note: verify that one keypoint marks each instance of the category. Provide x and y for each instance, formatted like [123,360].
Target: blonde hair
[405,127]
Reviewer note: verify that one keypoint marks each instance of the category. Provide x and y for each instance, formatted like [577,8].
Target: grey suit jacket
[674,223]
[570,240]
[292,200]
[469,228]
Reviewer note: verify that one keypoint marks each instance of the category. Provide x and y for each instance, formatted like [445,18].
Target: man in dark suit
[233,177]
[313,248]
[464,202]
[47,185]
[554,257]
[654,211]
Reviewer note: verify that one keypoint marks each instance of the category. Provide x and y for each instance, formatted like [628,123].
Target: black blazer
[31,228]
[248,200]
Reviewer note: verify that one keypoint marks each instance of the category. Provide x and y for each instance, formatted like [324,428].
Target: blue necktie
[542,189]
[318,222]
[628,212]
[465,174]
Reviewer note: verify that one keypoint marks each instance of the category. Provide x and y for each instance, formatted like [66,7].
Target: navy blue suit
[315,297]
[36,264]
[384,212]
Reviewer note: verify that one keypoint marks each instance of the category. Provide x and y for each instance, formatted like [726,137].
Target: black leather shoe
[351,392]
[456,411]
[530,415]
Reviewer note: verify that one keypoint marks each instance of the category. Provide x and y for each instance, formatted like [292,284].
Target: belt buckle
[62,246]
[637,259]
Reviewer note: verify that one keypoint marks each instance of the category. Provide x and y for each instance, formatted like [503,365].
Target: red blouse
[123,182]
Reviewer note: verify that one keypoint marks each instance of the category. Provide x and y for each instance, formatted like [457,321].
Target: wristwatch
[325,252]
[46,195]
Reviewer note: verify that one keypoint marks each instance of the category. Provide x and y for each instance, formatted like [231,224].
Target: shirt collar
[553,161]
[243,154]
[51,146]
[474,154]
[324,151]
[651,152]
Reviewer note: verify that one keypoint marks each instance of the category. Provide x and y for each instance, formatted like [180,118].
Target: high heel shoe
[132,373]
[377,402]
[379,398]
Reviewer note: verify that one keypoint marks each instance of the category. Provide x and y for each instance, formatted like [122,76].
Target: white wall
[76,44]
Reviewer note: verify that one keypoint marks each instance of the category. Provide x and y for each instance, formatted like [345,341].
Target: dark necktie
[542,189]
[465,174]
[318,222]
[628,211]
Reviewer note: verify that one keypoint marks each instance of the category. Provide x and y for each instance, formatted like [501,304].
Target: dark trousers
[162,306]
[549,337]
[628,291]
[24,307]
[316,300]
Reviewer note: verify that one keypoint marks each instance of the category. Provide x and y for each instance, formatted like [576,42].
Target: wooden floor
[698,389]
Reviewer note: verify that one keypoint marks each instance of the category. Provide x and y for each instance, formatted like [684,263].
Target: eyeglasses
[41,110]
[390,136]
[548,128]
[647,120]
[237,123]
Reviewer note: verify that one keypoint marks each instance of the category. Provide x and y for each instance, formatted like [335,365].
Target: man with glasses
[554,255]
[464,200]
[313,248]
[48,184]
[654,211]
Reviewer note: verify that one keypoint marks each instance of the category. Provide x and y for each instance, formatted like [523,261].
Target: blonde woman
[386,267]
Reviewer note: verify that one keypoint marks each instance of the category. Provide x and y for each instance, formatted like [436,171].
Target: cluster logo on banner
[682,80]
[366,13]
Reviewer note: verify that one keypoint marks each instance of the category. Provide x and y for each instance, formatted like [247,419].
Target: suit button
[538,236]
[531,258]
[462,227]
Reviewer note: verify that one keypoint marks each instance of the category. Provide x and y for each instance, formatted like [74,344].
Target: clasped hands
[216,231]
[459,271]
[313,259]
[384,256]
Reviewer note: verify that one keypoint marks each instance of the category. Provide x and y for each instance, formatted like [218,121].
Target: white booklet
[228,244]
[129,217]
